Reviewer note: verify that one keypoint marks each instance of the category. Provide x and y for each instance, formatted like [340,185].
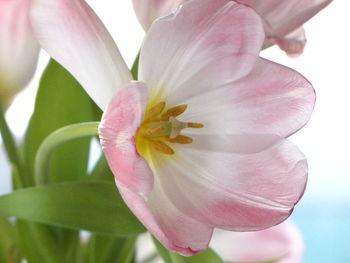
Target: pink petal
[18,47]
[216,42]
[72,34]
[293,43]
[134,178]
[285,16]
[149,10]
[283,242]
[240,192]
[176,231]
[117,130]
[271,99]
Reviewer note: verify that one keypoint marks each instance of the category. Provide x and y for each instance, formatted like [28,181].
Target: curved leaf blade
[60,101]
[94,206]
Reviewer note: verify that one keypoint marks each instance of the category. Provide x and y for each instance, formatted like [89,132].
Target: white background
[325,62]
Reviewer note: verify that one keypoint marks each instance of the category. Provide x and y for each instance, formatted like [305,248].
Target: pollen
[161,129]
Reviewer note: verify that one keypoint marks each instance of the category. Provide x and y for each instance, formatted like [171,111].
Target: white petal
[241,192]
[272,99]
[203,45]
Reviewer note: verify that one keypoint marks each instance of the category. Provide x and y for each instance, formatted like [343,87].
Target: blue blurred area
[326,230]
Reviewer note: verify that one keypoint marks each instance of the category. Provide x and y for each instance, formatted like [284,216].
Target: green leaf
[127,251]
[103,248]
[265,261]
[69,241]
[27,243]
[54,140]
[94,206]
[60,101]
[107,249]
[8,246]
[208,256]
[101,171]
[163,252]
[10,146]
[38,244]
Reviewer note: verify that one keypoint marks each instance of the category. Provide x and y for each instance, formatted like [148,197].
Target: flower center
[160,129]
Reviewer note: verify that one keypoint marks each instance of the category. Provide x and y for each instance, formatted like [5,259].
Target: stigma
[161,128]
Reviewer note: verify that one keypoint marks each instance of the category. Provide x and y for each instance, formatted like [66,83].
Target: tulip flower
[18,48]
[198,142]
[283,19]
[281,244]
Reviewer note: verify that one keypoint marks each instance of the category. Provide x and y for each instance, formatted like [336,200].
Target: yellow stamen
[154,112]
[161,147]
[181,139]
[194,125]
[157,129]
[160,128]
[154,131]
[173,112]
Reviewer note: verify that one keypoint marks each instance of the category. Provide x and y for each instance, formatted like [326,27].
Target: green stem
[135,67]
[150,258]
[56,138]
[11,150]
[8,140]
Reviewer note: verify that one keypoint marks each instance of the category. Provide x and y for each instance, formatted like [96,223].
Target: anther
[156,110]
[154,131]
[173,112]
[157,129]
[181,139]
[195,125]
[161,147]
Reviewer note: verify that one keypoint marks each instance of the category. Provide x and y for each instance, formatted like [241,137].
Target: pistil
[160,128]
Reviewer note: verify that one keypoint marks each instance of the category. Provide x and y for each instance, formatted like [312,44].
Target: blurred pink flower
[282,243]
[18,48]
[283,19]
[198,142]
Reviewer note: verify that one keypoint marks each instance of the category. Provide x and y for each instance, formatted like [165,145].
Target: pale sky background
[325,62]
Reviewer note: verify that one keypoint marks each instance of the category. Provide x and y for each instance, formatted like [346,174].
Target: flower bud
[18,48]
